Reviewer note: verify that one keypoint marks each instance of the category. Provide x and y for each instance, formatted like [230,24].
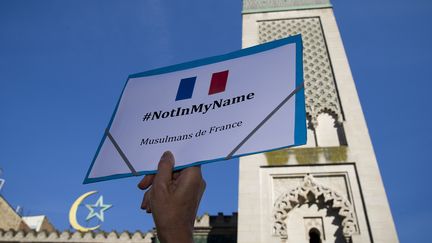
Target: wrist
[175,235]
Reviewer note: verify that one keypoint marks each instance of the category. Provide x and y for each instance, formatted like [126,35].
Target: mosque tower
[329,190]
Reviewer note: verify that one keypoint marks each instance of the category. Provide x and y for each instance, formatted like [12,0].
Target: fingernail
[165,154]
[168,157]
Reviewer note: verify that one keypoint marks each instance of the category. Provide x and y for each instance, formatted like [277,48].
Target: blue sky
[63,65]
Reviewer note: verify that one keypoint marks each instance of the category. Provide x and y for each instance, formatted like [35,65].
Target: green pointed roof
[252,6]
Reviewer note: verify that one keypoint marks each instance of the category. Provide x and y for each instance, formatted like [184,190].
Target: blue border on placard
[300,113]
[300,132]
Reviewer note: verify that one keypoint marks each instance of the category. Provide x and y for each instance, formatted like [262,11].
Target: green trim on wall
[307,155]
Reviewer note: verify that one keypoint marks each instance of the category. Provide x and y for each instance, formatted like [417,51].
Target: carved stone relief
[320,88]
[308,192]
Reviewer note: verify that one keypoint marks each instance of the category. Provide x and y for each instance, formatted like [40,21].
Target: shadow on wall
[214,229]
[223,229]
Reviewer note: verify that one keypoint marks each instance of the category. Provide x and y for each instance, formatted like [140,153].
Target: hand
[173,199]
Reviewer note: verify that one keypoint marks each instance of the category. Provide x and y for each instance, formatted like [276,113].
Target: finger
[165,168]
[202,189]
[176,175]
[146,201]
[146,182]
[190,179]
[200,194]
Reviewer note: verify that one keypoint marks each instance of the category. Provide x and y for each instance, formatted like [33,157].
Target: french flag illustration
[217,85]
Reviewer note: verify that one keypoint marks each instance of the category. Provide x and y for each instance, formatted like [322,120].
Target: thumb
[165,169]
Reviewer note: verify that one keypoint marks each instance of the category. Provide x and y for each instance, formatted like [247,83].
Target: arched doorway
[311,194]
[314,236]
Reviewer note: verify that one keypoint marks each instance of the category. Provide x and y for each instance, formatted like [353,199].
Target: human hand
[173,199]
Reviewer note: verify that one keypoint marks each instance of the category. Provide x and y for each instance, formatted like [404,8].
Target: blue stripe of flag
[186,88]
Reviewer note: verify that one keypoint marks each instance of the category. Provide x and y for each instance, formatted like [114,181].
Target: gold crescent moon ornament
[73,211]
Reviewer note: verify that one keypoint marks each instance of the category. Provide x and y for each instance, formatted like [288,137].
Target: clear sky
[63,65]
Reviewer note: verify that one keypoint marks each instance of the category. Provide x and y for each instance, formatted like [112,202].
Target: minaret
[329,190]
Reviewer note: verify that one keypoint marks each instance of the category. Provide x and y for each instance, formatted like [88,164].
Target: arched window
[314,236]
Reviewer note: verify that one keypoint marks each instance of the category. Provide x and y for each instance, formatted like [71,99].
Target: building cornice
[280,9]
[262,6]
[67,236]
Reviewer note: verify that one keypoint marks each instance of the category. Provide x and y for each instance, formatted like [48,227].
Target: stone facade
[209,229]
[329,189]
[250,6]
[9,218]
[39,223]
[216,228]
[14,228]
[67,236]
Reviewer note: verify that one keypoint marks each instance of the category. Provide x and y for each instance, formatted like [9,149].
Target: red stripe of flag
[218,82]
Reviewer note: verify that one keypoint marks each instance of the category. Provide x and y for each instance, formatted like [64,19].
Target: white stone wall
[66,236]
[365,188]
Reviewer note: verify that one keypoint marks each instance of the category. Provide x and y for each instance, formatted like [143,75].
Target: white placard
[244,102]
